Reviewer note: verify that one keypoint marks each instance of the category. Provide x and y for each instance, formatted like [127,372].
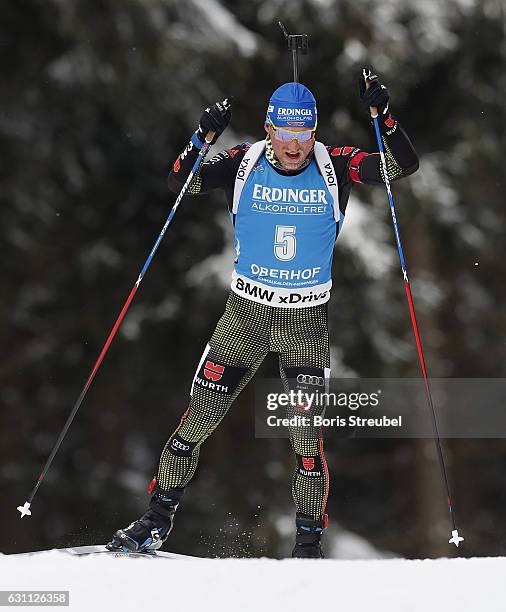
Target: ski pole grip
[210,136]
[372,109]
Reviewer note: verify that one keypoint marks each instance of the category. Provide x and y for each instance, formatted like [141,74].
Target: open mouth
[293,156]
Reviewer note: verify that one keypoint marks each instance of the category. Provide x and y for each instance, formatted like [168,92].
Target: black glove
[377,95]
[215,119]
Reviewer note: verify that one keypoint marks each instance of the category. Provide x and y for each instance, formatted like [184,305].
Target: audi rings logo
[307,379]
[176,444]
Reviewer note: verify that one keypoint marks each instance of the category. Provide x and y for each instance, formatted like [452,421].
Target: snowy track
[102,582]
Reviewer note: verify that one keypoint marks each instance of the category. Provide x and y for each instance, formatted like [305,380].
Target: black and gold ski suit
[248,331]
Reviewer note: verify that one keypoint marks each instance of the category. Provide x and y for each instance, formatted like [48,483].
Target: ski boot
[147,534]
[307,540]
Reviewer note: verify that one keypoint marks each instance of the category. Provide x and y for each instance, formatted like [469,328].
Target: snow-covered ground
[102,582]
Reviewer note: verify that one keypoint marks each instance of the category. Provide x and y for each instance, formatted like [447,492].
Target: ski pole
[455,539]
[25,509]
[296,43]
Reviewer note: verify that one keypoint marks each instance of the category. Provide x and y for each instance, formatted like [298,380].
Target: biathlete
[287,197]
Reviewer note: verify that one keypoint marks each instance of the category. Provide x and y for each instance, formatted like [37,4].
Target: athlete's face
[293,153]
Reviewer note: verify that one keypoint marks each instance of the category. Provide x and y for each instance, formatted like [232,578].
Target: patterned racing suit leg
[244,335]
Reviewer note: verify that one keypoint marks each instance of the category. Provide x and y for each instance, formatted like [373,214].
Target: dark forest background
[97,98]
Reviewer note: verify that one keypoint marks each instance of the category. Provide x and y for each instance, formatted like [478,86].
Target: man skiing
[287,197]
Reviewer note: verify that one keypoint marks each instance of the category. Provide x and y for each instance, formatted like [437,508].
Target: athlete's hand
[375,94]
[215,119]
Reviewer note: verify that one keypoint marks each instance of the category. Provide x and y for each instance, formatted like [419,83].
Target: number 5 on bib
[285,244]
